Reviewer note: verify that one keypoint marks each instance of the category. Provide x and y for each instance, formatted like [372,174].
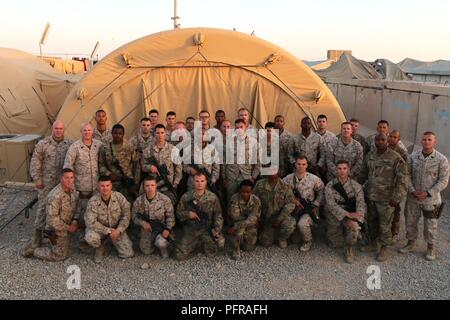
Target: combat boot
[371,247]
[99,254]
[383,254]
[305,247]
[36,242]
[431,253]
[409,247]
[236,255]
[83,246]
[164,253]
[282,243]
[28,251]
[348,253]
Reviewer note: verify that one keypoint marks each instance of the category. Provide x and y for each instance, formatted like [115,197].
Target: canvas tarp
[439,67]
[66,66]
[188,70]
[389,70]
[348,68]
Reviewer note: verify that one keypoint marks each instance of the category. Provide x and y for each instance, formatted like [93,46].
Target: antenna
[175,17]
[94,52]
[44,37]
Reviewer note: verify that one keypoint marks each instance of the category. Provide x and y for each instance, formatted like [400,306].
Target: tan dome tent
[31,92]
[187,70]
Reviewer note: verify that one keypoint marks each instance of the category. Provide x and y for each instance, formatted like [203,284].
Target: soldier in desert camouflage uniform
[144,138]
[346,209]
[61,220]
[101,132]
[244,211]
[45,168]
[382,127]
[197,229]
[327,137]
[286,146]
[149,207]
[108,216]
[428,176]
[307,143]
[356,136]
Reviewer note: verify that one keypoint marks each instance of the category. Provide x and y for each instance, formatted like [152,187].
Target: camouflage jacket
[326,139]
[334,201]
[362,141]
[84,162]
[308,147]
[163,157]
[159,208]
[139,143]
[428,174]
[310,187]
[61,210]
[100,217]
[242,167]
[209,158]
[402,152]
[105,137]
[244,214]
[352,152]
[371,142]
[122,160]
[48,161]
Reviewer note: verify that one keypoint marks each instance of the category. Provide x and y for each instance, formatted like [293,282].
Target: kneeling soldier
[61,220]
[153,212]
[201,215]
[243,213]
[346,208]
[108,215]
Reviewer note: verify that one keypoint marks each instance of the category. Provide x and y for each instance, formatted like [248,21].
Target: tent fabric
[66,66]
[348,68]
[439,67]
[389,70]
[320,65]
[31,93]
[188,70]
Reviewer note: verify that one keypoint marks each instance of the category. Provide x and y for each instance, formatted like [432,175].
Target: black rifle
[163,174]
[202,214]
[349,204]
[157,228]
[308,208]
[26,209]
[125,181]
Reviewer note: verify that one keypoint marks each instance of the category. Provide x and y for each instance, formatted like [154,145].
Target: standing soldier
[153,212]
[200,213]
[277,204]
[286,146]
[61,220]
[244,212]
[82,158]
[157,159]
[46,167]
[108,215]
[306,143]
[382,127]
[308,192]
[385,188]
[144,138]
[101,132]
[355,135]
[119,160]
[244,114]
[345,148]
[153,115]
[327,137]
[190,124]
[428,174]
[220,117]
[171,121]
[344,198]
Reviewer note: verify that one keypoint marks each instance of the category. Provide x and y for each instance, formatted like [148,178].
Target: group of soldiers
[108,189]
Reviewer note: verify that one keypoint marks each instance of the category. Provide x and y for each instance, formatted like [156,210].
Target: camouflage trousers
[147,247]
[123,245]
[56,252]
[379,221]
[267,233]
[340,233]
[413,213]
[246,240]
[304,226]
[193,237]
[41,215]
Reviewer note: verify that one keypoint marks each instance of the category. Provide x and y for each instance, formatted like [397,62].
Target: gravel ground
[264,274]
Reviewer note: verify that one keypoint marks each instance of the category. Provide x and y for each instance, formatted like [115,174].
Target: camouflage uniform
[234,174]
[387,181]
[46,166]
[121,160]
[398,211]
[101,217]
[84,162]
[326,139]
[164,157]
[193,232]
[159,208]
[61,211]
[361,140]
[105,137]
[430,175]
[337,224]
[209,163]
[277,204]
[139,144]
[244,217]
[286,148]
[311,189]
[370,140]
[308,147]
[352,152]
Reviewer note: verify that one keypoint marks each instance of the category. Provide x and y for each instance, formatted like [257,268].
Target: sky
[392,29]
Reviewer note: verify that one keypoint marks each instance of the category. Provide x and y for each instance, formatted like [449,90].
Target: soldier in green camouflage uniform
[62,220]
[386,186]
[382,127]
[342,221]
[153,206]
[197,231]
[244,211]
[45,168]
[108,216]
[277,204]
[428,176]
[119,160]
[307,144]
[101,132]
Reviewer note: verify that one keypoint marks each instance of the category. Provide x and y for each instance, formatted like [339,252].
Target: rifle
[164,174]
[308,208]
[27,212]
[157,228]
[349,204]
[125,181]
[210,186]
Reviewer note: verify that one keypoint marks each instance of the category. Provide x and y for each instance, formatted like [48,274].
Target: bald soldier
[428,177]
[45,168]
